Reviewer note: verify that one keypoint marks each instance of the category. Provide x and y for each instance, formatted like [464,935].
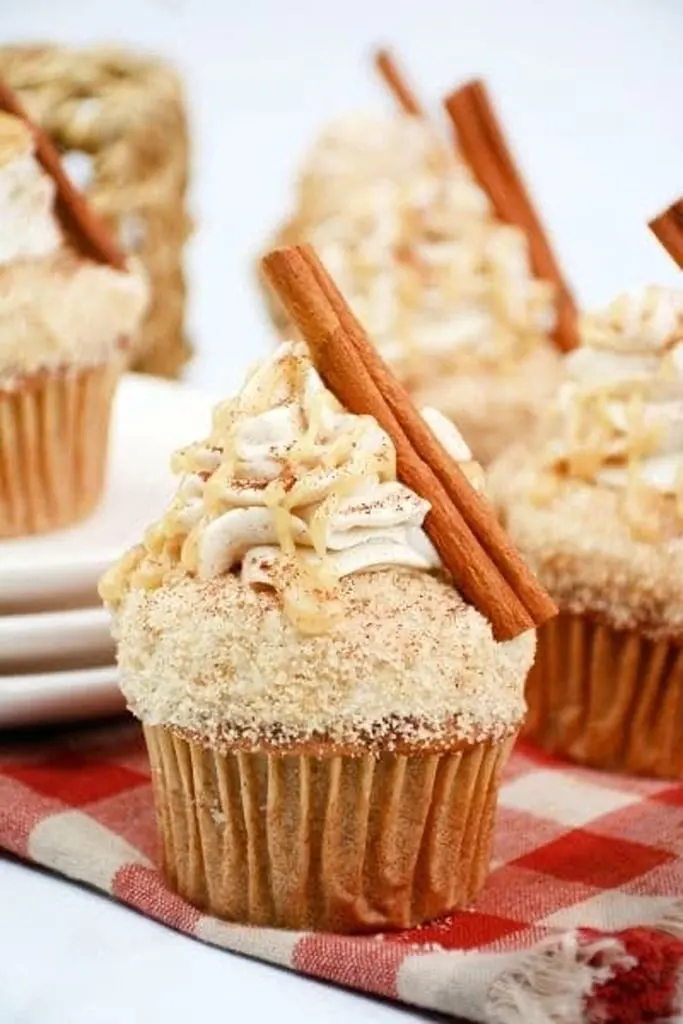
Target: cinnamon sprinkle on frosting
[292,491]
[408,662]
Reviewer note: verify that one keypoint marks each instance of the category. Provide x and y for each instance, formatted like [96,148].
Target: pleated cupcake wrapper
[334,843]
[609,698]
[54,431]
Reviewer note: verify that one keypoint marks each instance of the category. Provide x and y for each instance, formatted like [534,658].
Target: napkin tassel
[553,981]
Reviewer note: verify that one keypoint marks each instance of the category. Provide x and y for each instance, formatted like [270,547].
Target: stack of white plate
[56,653]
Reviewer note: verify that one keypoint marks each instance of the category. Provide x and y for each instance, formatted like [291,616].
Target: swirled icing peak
[619,417]
[414,245]
[292,490]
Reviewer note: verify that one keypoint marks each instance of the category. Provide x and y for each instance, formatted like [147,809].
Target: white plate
[151,419]
[80,635]
[56,696]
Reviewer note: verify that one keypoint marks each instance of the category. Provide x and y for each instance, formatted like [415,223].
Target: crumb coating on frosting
[408,663]
[575,536]
[64,311]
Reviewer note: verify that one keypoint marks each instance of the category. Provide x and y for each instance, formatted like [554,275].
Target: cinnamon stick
[361,381]
[476,511]
[86,230]
[668,229]
[397,84]
[483,145]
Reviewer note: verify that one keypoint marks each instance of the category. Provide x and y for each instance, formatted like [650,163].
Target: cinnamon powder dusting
[408,662]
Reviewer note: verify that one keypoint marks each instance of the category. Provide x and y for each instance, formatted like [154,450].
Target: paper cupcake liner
[54,431]
[608,698]
[335,843]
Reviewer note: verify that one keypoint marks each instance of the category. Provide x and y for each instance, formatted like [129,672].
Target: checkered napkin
[579,920]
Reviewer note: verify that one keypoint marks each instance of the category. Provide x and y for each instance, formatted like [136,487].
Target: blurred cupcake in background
[65,320]
[118,118]
[431,256]
[598,512]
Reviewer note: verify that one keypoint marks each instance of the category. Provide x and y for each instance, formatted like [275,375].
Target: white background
[590,92]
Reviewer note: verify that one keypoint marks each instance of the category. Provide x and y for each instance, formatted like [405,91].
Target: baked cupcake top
[290,591]
[412,242]
[599,507]
[57,308]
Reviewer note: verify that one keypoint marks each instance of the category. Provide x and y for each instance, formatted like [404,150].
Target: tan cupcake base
[612,699]
[335,843]
[53,448]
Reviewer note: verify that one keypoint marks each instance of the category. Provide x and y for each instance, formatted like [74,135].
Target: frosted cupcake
[598,512]
[441,284]
[64,323]
[326,717]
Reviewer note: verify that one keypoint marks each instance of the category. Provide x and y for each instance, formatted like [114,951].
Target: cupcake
[598,512]
[65,319]
[326,716]
[443,286]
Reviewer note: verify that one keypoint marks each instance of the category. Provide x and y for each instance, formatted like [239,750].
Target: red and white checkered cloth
[579,919]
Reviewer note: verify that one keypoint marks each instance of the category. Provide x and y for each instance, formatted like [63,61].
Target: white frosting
[29,226]
[621,411]
[344,512]
[413,244]
[293,491]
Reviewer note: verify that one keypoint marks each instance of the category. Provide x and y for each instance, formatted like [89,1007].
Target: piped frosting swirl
[414,246]
[294,491]
[619,416]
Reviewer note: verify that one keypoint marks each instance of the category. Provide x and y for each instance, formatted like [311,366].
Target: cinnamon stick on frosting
[87,232]
[398,86]
[668,229]
[481,140]
[473,547]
